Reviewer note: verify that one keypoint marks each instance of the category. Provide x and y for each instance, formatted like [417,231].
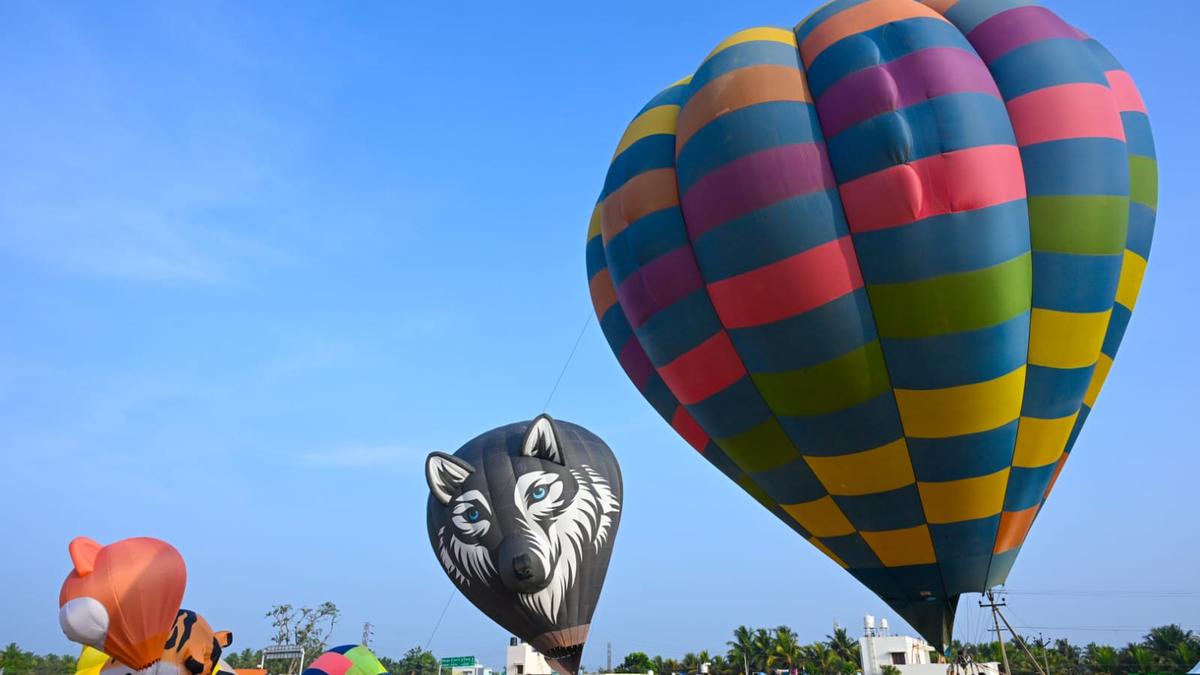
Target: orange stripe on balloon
[858,19]
[940,6]
[739,89]
[789,287]
[708,368]
[641,195]
[1062,461]
[963,180]
[1129,99]
[604,295]
[1077,110]
[1014,525]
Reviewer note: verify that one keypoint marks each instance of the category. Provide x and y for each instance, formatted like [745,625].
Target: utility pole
[1021,643]
[366,640]
[609,667]
[995,607]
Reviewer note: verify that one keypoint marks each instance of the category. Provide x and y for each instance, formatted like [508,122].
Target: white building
[912,656]
[525,660]
[473,670]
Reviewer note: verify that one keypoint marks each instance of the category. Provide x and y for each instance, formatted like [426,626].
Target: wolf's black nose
[522,569]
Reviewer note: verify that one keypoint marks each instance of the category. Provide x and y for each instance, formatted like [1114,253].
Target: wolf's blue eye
[473,515]
[538,494]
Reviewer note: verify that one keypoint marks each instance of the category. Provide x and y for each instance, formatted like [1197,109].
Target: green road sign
[459,662]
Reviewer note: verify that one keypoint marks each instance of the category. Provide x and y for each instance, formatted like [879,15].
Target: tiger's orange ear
[223,638]
[83,554]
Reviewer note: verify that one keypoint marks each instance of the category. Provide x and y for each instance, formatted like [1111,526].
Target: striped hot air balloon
[346,660]
[876,268]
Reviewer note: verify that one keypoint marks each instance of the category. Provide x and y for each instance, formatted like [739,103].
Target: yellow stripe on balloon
[1103,365]
[762,34]
[1041,441]
[659,120]
[821,517]
[954,501]
[1133,269]
[966,409]
[897,548]
[1066,339]
[884,468]
[596,222]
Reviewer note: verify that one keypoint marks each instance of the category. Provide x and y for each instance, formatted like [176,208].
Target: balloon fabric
[122,598]
[876,268]
[522,519]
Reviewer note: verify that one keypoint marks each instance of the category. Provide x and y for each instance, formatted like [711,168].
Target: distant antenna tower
[366,641]
[608,669]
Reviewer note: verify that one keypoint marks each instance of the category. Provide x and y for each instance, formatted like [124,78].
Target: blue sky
[257,259]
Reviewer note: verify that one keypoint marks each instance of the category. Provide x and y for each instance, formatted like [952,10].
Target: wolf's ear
[541,440]
[445,474]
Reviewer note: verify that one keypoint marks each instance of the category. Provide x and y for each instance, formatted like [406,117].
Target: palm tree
[1188,653]
[1165,643]
[691,663]
[786,652]
[821,660]
[764,644]
[844,646]
[1142,657]
[1103,660]
[741,649]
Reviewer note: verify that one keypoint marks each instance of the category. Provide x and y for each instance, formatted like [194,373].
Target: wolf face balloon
[522,519]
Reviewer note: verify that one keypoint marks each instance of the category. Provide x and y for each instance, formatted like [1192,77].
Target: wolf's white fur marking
[558,541]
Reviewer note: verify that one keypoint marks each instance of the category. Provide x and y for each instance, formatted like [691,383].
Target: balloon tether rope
[587,322]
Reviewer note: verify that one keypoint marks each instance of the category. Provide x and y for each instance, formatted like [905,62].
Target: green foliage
[1165,649]
[635,662]
[16,661]
[247,658]
[416,661]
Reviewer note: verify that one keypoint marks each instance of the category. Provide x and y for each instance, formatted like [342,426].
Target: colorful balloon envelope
[122,599]
[522,519]
[192,648]
[346,660]
[876,268]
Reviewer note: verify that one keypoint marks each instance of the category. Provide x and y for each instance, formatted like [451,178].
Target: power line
[1110,594]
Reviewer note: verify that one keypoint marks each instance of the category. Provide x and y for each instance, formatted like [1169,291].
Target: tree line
[1164,649]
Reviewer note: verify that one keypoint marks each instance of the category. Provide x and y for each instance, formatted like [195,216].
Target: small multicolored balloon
[346,660]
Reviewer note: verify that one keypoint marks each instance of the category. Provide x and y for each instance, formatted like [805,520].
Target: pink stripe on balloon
[753,182]
[963,180]
[1077,110]
[1129,99]
[1016,28]
[332,663]
[898,84]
